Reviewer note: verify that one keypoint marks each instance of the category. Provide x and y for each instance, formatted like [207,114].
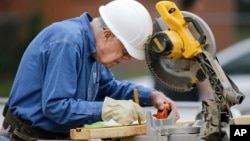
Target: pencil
[137,101]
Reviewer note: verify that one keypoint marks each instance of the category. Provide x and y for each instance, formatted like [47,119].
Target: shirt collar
[85,19]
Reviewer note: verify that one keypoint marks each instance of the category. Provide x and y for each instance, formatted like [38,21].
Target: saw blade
[177,74]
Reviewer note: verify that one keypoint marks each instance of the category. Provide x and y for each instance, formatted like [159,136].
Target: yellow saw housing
[182,43]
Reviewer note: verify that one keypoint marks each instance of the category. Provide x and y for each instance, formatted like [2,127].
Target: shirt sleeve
[111,87]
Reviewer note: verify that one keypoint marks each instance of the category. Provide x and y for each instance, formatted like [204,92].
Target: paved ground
[2,102]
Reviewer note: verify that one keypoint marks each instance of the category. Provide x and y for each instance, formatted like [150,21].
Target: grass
[5,87]
[242,33]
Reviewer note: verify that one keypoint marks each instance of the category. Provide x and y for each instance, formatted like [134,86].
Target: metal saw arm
[216,112]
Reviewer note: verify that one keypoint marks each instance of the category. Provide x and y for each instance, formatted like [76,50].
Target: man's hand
[124,112]
[159,99]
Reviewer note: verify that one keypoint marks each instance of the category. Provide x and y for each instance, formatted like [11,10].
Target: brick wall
[218,14]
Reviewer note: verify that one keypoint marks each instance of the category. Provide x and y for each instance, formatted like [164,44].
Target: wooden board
[244,119]
[133,130]
[109,132]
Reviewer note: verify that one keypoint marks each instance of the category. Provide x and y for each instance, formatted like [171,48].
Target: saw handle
[161,114]
[202,38]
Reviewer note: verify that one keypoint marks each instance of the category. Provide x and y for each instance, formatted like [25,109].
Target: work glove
[124,112]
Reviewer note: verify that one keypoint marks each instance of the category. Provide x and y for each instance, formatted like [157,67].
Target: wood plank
[244,119]
[183,123]
[109,132]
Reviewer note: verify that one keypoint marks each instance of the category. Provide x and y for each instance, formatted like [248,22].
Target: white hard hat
[130,22]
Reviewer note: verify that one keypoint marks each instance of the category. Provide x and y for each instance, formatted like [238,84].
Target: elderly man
[64,79]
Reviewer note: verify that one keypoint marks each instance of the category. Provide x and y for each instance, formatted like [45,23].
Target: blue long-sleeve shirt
[59,86]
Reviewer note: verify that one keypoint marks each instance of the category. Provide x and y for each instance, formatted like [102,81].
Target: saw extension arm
[216,112]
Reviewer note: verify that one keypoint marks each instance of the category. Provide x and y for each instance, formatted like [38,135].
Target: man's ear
[107,34]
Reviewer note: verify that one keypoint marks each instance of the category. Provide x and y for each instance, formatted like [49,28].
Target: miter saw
[180,54]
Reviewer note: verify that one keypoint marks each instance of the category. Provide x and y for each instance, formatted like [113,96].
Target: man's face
[110,51]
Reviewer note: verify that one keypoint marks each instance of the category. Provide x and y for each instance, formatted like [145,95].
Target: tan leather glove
[124,112]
